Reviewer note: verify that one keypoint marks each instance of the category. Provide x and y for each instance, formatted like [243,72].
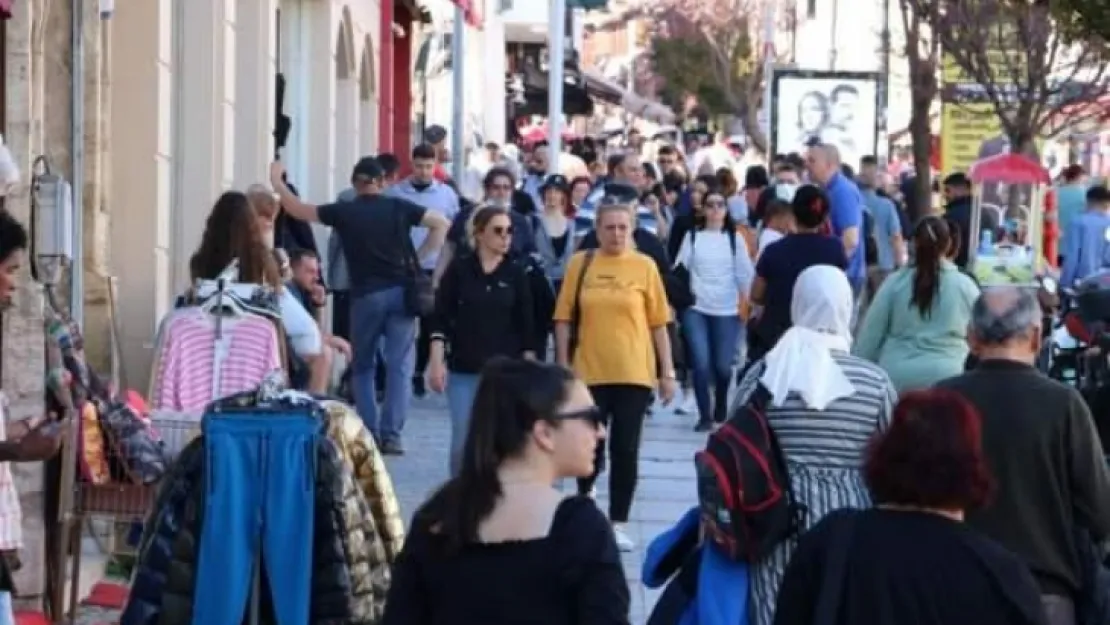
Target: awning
[472,10]
[6,8]
[607,91]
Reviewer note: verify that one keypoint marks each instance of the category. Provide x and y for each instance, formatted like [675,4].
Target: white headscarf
[821,311]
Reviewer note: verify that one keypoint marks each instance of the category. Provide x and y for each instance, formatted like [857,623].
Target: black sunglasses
[502,231]
[592,414]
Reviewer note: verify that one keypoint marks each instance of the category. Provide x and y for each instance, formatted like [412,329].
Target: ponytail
[931,243]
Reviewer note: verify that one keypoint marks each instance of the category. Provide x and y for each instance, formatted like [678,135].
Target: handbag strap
[576,308]
[832,586]
[409,259]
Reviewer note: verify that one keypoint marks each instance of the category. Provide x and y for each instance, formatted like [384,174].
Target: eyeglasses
[715,204]
[592,415]
[501,187]
[502,231]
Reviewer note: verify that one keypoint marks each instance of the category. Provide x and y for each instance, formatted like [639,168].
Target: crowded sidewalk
[666,488]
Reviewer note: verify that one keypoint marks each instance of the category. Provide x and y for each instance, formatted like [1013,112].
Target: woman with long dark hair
[916,327]
[498,544]
[911,560]
[483,310]
[233,232]
[720,269]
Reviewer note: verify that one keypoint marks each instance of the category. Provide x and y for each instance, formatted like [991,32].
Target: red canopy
[1009,168]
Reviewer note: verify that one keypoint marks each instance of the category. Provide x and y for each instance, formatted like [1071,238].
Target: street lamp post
[556,58]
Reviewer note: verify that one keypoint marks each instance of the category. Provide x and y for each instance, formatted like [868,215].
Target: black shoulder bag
[575,308]
[420,295]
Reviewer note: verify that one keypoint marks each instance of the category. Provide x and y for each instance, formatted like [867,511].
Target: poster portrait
[835,108]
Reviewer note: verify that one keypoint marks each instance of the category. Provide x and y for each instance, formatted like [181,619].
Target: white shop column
[318,125]
[205,120]
[256,68]
[141,166]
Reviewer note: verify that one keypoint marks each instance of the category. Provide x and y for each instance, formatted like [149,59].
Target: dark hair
[424,152]
[389,162]
[299,254]
[797,161]
[811,206]
[13,235]
[847,171]
[480,218]
[756,177]
[955,233]
[868,161]
[785,166]
[497,172]
[1098,194]
[232,232]
[674,181]
[667,150]
[1072,173]
[512,396]
[931,456]
[931,244]
[728,182]
[650,172]
[958,179]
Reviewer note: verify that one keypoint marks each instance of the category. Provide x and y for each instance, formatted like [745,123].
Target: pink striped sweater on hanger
[187,380]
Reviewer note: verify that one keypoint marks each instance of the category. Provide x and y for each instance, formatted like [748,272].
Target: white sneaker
[624,541]
[689,404]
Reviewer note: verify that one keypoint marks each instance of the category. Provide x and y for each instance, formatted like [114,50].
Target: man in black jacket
[1040,444]
[957,195]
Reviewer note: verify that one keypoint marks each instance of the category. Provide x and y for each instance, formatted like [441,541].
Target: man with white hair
[1042,447]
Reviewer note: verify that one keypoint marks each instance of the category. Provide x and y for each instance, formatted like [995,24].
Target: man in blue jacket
[845,210]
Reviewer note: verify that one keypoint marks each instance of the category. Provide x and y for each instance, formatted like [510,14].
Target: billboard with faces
[836,108]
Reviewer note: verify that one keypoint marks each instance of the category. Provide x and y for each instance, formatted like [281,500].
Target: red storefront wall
[395,103]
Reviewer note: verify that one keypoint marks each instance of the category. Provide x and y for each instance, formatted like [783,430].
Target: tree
[710,49]
[1021,64]
[1083,20]
[922,52]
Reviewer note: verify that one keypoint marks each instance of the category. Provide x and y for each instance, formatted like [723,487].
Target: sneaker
[689,404]
[624,541]
[392,448]
[703,426]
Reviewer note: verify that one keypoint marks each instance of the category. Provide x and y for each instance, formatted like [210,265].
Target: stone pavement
[666,488]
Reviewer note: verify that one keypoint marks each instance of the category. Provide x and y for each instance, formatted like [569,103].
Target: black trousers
[624,407]
[423,344]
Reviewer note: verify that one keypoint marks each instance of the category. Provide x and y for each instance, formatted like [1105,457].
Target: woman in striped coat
[825,406]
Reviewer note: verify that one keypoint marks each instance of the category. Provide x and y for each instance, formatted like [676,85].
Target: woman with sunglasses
[483,310]
[498,543]
[720,270]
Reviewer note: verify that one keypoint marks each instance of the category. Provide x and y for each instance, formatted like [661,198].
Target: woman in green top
[916,327]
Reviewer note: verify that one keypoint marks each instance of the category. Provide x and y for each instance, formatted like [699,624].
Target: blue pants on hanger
[260,495]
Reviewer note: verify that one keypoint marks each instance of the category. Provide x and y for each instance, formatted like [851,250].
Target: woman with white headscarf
[823,405]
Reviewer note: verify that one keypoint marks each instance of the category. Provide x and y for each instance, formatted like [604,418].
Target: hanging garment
[197,359]
[259,472]
[349,582]
[356,445]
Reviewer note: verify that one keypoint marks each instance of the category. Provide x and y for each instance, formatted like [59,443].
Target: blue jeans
[712,342]
[260,493]
[461,389]
[378,317]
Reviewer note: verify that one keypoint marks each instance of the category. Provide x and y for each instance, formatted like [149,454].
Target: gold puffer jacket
[357,447]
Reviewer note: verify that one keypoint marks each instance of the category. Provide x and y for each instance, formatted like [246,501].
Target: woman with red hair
[911,560]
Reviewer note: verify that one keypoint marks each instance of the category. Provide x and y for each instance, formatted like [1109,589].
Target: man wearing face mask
[422,189]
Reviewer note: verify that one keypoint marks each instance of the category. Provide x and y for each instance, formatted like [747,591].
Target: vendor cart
[1013,254]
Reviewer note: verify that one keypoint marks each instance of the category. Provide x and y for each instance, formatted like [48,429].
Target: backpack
[745,499]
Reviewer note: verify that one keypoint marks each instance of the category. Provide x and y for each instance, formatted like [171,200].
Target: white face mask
[785,192]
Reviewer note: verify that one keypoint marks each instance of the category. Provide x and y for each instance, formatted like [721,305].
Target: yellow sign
[968,132]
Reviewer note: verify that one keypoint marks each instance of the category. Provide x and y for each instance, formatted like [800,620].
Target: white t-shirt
[717,275]
[767,236]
